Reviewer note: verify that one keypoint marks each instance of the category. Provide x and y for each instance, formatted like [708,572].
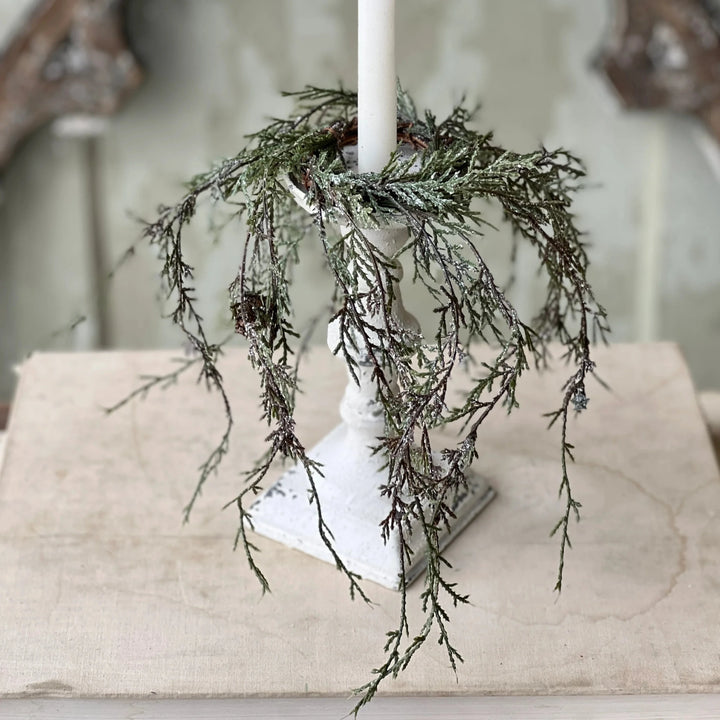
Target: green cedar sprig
[432,190]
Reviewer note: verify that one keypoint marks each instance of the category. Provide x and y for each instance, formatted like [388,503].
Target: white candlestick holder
[353,507]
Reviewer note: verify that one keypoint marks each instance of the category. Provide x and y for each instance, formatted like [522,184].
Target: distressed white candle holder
[352,474]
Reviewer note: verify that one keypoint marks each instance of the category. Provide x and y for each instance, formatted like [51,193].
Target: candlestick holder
[352,473]
[381,494]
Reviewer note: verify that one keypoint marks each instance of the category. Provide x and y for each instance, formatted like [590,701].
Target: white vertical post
[377,94]
[649,255]
[377,140]
[352,505]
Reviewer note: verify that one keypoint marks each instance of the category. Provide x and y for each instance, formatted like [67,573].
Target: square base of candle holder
[352,509]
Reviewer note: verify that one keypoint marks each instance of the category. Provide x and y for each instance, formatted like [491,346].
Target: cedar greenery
[433,191]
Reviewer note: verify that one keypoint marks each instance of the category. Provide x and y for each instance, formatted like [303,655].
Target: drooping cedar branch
[430,186]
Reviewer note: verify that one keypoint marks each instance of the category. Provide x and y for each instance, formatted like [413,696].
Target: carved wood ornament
[69,57]
[666,54]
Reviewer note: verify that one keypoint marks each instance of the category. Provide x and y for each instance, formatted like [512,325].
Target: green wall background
[215,69]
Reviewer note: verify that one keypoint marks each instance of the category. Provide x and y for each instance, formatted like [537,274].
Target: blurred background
[212,73]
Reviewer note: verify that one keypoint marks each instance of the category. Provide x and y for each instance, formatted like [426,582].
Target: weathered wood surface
[617,707]
[71,56]
[104,593]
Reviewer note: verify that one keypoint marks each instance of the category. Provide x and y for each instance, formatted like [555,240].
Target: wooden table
[108,602]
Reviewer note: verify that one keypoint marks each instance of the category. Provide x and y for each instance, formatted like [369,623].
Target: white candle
[377,96]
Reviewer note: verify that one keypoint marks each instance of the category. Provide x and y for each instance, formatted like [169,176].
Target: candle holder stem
[352,471]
